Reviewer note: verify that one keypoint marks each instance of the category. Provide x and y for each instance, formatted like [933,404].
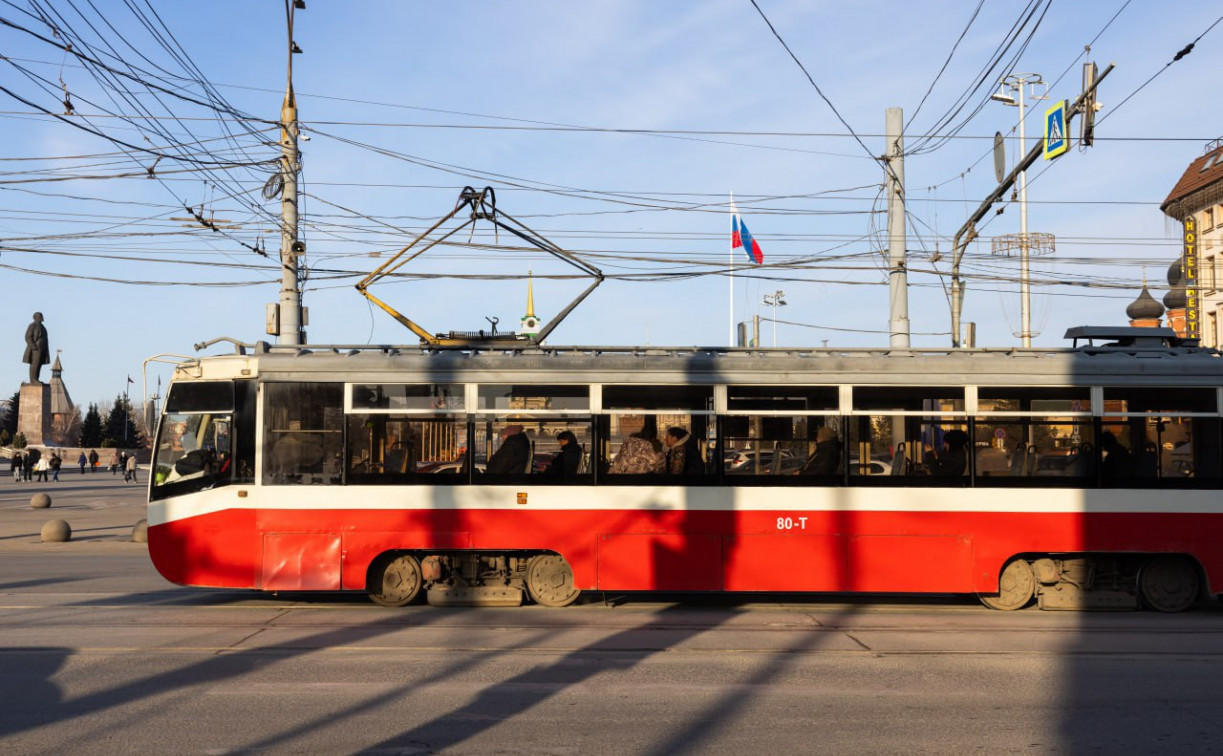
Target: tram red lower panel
[892,551]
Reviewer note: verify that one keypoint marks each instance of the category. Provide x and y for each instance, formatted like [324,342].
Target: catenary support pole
[898,277]
[290,294]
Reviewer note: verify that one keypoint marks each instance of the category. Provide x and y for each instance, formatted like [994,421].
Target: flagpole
[731,300]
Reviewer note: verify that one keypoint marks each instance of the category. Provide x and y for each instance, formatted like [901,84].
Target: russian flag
[741,237]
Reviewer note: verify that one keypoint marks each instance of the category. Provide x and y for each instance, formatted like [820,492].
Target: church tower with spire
[63,411]
[531,324]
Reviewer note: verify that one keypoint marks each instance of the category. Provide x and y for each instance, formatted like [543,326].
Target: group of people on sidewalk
[34,465]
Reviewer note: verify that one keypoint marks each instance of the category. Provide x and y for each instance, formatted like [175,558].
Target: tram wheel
[397,583]
[550,581]
[1168,584]
[1015,588]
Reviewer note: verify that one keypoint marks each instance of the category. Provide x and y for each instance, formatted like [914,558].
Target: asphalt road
[98,654]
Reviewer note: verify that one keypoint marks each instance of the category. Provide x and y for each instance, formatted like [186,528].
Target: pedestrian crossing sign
[1056,138]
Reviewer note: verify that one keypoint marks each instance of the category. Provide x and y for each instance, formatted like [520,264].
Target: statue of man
[37,353]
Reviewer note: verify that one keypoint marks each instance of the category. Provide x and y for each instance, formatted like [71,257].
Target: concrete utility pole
[289,314]
[898,276]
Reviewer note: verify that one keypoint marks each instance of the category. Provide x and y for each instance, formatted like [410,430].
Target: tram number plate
[791,523]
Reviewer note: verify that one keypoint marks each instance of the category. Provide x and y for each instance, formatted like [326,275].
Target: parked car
[447,468]
[790,465]
[873,467]
[745,461]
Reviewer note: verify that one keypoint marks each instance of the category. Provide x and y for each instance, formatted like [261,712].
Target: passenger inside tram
[952,458]
[826,460]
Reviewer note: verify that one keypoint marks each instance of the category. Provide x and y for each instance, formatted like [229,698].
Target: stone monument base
[34,418]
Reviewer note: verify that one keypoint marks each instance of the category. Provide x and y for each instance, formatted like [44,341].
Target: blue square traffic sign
[1056,138]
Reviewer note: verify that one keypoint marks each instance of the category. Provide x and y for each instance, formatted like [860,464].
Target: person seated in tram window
[683,456]
[568,460]
[953,460]
[511,457]
[186,439]
[1115,460]
[637,456]
[827,457]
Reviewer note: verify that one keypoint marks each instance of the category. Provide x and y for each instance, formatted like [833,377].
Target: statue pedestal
[34,419]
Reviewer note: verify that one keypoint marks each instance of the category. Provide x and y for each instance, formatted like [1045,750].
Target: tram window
[769,445]
[909,398]
[1167,448]
[405,448]
[533,398]
[1165,400]
[303,433]
[192,452]
[658,398]
[246,394]
[909,447]
[205,396]
[507,449]
[782,398]
[1034,399]
[626,461]
[1032,448]
[438,397]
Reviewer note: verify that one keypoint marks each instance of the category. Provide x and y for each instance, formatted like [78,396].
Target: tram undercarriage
[1065,582]
[1099,582]
[469,578]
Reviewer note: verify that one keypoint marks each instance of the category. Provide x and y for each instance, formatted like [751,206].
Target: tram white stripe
[678,498]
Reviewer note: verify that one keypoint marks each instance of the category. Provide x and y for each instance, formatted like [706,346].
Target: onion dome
[1176,298]
[1145,307]
[1176,272]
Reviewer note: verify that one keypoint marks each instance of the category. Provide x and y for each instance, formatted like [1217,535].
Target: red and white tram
[1082,478]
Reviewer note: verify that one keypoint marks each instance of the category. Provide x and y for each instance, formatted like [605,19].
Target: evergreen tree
[9,422]
[91,427]
[120,427]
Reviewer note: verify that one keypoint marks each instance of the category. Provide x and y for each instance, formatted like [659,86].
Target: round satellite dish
[999,156]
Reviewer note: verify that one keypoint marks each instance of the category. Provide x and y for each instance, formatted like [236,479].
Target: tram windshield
[194,442]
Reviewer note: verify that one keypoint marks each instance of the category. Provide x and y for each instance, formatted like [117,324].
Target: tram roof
[1109,364]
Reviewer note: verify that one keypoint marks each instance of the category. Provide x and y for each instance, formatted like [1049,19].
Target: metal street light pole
[1019,83]
[775,300]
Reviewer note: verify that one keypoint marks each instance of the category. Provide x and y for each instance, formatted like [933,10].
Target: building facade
[1196,202]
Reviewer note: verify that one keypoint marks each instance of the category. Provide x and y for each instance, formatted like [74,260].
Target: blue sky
[405,103]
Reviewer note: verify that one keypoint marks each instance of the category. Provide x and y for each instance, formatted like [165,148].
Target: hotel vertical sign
[1193,325]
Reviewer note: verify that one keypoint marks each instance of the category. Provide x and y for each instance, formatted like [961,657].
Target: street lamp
[1018,83]
[775,300]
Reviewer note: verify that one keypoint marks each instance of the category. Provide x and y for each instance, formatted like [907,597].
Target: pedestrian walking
[56,462]
[130,469]
[116,462]
[40,470]
[16,464]
[32,458]
[93,459]
[82,461]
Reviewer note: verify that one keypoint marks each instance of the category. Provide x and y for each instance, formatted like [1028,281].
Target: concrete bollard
[40,501]
[56,531]
[140,533]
